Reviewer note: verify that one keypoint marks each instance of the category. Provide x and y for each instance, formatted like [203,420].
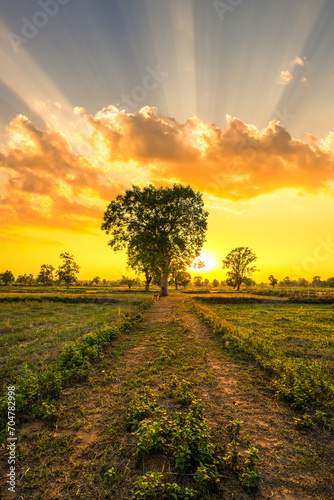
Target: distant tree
[330,282]
[165,225]
[249,282]
[285,282]
[206,282]
[239,261]
[198,281]
[45,276]
[273,281]
[316,281]
[104,282]
[184,279]
[68,270]
[215,283]
[303,282]
[128,281]
[96,280]
[7,277]
[25,279]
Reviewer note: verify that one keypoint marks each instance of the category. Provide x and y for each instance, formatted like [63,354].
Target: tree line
[48,275]
[162,231]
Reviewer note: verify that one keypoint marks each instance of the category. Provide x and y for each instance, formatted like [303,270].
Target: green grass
[294,343]
[44,345]
[34,333]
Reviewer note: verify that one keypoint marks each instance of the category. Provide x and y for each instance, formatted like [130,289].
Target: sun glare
[209,263]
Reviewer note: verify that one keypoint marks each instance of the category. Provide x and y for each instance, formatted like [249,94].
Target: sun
[209,263]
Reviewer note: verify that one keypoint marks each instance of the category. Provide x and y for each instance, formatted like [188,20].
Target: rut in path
[294,464]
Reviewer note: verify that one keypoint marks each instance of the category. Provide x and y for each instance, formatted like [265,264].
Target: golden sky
[263,188]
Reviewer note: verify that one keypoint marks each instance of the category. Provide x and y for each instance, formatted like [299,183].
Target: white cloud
[285,77]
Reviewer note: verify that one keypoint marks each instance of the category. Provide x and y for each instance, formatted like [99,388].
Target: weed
[152,486]
[305,422]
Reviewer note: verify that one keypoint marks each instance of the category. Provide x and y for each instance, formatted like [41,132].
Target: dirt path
[90,438]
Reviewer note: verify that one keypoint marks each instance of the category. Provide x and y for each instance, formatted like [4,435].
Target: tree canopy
[68,270]
[45,276]
[273,281]
[159,227]
[239,261]
[7,277]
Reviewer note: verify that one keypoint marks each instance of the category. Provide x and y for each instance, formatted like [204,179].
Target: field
[293,342]
[34,329]
[204,396]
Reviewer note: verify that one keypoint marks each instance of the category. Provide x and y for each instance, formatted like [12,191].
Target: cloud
[305,81]
[46,184]
[299,61]
[285,77]
[43,176]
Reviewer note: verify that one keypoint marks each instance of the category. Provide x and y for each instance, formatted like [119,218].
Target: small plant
[140,408]
[180,391]
[231,459]
[252,458]
[234,427]
[152,486]
[305,422]
[321,417]
[207,478]
[250,479]
[114,475]
[50,411]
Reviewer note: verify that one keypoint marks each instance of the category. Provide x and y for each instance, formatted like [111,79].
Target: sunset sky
[234,97]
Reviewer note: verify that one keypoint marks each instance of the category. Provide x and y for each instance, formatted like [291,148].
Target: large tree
[68,270]
[238,262]
[157,226]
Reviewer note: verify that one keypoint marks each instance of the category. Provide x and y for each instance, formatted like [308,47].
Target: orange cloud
[46,184]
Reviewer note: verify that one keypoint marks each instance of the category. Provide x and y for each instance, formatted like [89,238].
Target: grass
[48,344]
[34,334]
[294,343]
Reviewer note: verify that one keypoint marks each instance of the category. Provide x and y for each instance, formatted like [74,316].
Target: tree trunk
[176,285]
[164,285]
[147,286]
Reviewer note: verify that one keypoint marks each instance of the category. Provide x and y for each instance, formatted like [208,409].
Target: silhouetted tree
[68,270]
[273,281]
[7,277]
[45,276]
[165,225]
[239,261]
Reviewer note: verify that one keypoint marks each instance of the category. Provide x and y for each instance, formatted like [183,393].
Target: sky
[234,97]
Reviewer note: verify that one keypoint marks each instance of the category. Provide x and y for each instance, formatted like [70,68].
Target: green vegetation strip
[60,298]
[305,384]
[35,393]
[184,436]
